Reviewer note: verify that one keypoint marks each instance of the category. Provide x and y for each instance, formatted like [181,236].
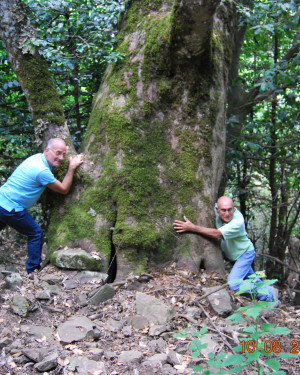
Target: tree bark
[33,74]
[155,143]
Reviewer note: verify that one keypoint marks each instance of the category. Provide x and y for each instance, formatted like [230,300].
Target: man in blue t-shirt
[234,242]
[24,187]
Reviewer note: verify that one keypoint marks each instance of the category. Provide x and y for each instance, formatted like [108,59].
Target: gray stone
[115,325]
[43,295]
[109,354]
[127,331]
[174,358]
[102,294]
[160,359]
[212,345]
[138,321]
[48,363]
[157,330]
[51,279]
[76,259]
[75,329]
[51,288]
[70,284]
[219,301]
[153,309]
[39,332]
[85,366]
[5,341]
[131,356]
[81,299]
[86,276]
[37,355]
[19,305]
[13,281]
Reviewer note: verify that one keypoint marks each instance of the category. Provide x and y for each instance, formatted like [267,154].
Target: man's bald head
[225,208]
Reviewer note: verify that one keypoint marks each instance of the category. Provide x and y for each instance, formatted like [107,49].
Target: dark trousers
[25,224]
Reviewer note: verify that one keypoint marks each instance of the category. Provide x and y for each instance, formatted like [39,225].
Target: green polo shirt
[235,241]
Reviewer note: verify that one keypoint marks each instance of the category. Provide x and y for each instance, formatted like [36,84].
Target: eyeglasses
[58,153]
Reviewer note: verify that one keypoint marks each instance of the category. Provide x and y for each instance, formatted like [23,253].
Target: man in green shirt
[234,242]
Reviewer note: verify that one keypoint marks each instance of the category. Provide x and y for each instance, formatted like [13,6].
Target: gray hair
[52,140]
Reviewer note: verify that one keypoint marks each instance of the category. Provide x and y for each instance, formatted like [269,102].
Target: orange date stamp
[271,346]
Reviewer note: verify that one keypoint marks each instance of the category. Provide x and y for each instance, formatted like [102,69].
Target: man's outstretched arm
[188,226]
[64,186]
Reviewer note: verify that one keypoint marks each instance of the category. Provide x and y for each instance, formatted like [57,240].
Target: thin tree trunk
[33,73]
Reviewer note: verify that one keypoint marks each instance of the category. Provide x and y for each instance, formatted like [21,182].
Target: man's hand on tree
[75,161]
[183,226]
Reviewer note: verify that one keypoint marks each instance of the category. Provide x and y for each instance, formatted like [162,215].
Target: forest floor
[173,286]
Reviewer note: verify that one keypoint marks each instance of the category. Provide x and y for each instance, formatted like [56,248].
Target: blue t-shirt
[235,241]
[24,187]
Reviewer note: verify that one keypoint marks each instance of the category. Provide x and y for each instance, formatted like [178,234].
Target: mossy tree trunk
[33,73]
[155,144]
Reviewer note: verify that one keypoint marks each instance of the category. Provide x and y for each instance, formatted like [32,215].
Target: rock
[212,345]
[115,325]
[153,309]
[85,366]
[102,294]
[75,329]
[13,281]
[5,341]
[19,305]
[219,301]
[127,331]
[70,284]
[51,279]
[81,299]
[157,330]
[38,332]
[76,259]
[131,356]
[138,321]
[36,355]
[86,276]
[109,354]
[51,288]
[43,295]
[48,363]
[160,359]
[174,358]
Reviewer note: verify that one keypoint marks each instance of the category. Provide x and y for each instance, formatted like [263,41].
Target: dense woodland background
[78,39]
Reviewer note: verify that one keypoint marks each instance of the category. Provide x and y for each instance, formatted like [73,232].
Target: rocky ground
[132,331]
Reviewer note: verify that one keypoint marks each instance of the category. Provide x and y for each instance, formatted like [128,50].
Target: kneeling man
[235,243]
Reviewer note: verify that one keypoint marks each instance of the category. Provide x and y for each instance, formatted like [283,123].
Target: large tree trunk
[155,143]
[33,74]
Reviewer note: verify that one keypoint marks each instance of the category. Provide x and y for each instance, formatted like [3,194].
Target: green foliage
[256,350]
[264,159]
[77,38]
[16,132]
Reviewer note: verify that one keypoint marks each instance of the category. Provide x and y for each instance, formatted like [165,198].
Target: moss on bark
[152,135]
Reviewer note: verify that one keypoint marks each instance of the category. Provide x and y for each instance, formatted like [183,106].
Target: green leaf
[254,312]
[288,355]
[234,359]
[203,330]
[280,331]
[211,355]
[266,327]
[215,364]
[234,370]
[273,363]
[221,355]
[251,357]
